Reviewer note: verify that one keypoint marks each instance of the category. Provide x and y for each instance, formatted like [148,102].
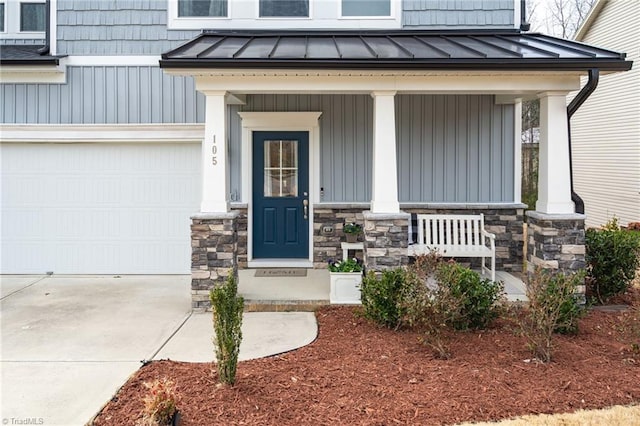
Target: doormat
[281,272]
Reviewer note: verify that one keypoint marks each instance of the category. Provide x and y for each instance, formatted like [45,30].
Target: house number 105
[214,151]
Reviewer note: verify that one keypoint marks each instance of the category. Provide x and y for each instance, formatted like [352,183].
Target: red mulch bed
[358,373]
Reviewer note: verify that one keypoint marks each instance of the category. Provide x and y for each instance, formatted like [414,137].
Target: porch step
[283,305]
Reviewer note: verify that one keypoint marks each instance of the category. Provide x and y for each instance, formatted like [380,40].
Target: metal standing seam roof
[25,55]
[400,49]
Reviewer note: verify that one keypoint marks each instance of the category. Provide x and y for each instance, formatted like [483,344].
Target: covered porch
[306,293]
[382,125]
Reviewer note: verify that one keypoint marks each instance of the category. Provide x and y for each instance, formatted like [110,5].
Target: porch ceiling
[390,50]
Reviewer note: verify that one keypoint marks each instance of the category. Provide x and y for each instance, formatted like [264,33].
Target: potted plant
[352,230]
[346,277]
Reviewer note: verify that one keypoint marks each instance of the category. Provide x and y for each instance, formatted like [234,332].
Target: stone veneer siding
[214,245]
[386,240]
[506,223]
[243,235]
[556,241]
[326,246]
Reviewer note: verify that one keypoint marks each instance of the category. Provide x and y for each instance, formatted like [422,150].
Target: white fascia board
[82,133]
[306,81]
[45,74]
[113,60]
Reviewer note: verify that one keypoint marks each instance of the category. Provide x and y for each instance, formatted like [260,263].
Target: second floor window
[202,8]
[284,8]
[366,8]
[2,17]
[32,16]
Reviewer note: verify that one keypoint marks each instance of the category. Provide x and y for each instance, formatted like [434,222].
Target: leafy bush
[227,322]
[380,296]
[612,256]
[160,402]
[477,297]
[352,228]
[552,308]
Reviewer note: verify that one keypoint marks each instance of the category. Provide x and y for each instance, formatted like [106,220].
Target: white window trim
[12,26]
[245,14]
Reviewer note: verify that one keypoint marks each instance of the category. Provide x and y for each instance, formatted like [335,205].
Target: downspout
[581,97]
[44,50]
[524,25]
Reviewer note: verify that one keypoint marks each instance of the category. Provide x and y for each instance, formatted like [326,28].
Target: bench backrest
[450,230]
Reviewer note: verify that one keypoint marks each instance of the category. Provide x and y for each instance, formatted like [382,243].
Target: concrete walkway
[68,343]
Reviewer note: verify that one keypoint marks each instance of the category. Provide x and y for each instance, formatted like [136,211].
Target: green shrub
[227,309]
[612,256]
[380,296]
[477,297]
[552,308]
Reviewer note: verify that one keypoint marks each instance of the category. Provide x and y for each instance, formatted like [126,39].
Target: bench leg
[492,270]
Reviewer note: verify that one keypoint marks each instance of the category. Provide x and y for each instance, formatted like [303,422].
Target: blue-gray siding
[453,14]
[104,95]
[450,148]
[454,148]
[116,27]
[345,139]
[139,27]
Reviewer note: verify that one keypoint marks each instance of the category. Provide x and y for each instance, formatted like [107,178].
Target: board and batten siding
[605,131]
[346,139]
[455,14]
[104,95]
[453,149]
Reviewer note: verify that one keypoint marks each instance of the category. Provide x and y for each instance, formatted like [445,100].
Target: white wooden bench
[455,236]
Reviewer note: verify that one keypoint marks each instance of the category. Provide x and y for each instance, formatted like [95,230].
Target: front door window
[280,168]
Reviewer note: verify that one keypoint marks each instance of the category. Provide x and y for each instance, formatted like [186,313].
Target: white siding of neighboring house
[606,129]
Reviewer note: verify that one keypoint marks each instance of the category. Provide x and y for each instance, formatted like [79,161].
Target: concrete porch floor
[307,293]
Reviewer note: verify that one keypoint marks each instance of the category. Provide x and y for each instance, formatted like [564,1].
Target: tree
[564,17]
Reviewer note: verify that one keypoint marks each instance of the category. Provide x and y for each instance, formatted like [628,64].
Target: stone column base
[214,254]
[385,240]
[556,242]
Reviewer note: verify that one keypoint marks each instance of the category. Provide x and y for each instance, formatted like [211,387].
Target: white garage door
[98,208]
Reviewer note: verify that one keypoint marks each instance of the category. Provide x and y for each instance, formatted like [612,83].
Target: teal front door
[280,195]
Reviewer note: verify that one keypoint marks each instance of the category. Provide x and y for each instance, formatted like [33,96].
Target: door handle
[305,208]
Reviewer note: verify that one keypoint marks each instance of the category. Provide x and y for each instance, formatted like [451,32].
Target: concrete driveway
[68,343]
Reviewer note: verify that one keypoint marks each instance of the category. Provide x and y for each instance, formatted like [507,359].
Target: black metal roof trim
[26,55]
[390,50]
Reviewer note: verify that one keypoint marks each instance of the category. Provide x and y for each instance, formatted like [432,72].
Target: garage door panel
[98,208]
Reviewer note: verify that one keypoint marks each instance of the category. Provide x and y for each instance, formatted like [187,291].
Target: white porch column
[554,182]
[384,197]
[215,174]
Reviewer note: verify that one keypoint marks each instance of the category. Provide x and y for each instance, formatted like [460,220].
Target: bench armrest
[489,234]
[492,239]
